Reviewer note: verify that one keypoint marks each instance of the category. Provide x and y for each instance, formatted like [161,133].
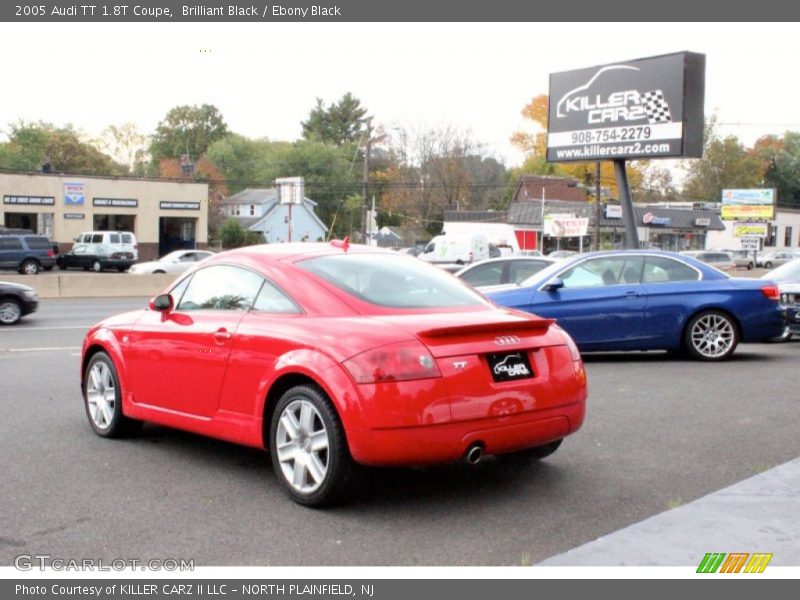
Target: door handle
[633,294]
[222,335]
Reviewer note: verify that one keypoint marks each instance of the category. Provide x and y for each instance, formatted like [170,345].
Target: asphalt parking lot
[660,432]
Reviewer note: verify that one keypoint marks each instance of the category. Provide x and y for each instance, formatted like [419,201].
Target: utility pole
[365,183]
[597,209]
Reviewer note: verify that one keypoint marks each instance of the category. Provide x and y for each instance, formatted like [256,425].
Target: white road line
[51,328]
[51,349]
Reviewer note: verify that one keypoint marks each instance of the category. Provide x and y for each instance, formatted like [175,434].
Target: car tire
[102,398]
[97,266]
[711,335]
[750,266]
[535,453]
[10,311]
[29,267]
[122,269]
[309,449]
[767,265]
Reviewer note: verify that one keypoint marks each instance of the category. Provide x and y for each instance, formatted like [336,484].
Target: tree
[534,145]
[726,163]
[126,145]
[187,130]
[29,144]
[780,163]
[231,235]
[434,170]
[340,123]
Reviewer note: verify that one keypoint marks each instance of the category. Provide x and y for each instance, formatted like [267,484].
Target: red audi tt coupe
[331,356]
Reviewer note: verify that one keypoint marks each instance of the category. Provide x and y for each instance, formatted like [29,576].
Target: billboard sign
[746,230]
[740,205]
[644,108]
[565,225]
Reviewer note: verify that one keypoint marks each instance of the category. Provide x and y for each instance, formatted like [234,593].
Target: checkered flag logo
[656,107]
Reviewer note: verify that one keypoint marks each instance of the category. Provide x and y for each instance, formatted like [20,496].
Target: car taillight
[50,253]
[573,348]
[396,362]
[771,291]
[116,255]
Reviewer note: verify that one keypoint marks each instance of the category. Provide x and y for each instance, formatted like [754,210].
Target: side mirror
[162,303]
[556,283]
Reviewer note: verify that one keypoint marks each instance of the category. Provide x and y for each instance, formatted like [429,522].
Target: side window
[221,288]
[126,238]
[603,271]
[271,299]
[488,274]
[10,244]
[521,270]
[97,238]
[114,238]
[37,243]
[178,290]
[659,269]
[188,257]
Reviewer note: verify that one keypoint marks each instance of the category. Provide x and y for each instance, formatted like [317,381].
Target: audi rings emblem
[506,340]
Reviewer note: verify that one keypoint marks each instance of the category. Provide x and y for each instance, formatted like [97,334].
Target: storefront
[164,215]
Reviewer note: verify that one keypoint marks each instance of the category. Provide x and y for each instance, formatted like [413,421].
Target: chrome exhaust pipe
[473,454]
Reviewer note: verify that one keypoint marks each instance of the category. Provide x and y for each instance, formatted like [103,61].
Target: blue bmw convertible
[649,300]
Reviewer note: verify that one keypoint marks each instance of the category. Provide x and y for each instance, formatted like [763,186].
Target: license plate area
[509,366]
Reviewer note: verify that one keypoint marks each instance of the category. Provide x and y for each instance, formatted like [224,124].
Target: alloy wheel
[302,445]
[101,395]
[713,335]
[10,312]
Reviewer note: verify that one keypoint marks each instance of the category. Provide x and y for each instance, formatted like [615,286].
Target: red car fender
[105,340]
[325,372]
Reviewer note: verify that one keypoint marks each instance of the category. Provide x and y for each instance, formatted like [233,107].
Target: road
[659,432]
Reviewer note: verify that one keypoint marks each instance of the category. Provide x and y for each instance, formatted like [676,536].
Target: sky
[264,77]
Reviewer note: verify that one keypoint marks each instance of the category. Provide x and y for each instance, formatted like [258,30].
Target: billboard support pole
[626,201]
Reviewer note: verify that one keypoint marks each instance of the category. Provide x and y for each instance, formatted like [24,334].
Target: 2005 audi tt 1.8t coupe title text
[332,356]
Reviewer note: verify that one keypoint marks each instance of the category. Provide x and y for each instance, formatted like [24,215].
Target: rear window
[392,281]
[38,243]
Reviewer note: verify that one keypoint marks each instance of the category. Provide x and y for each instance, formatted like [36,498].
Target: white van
[459,248]
[122,239]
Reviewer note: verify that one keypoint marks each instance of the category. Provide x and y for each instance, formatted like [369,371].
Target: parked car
[744,259]
[96,257]
[26,253]
[124,240]
[788,278]
[650,300]
[175,262]
[16,301]
[769,260]
[459,248]
[496,271]
[330,355]
[790,299]
[719,259]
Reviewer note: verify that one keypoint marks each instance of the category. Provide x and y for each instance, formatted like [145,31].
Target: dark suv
[26,253]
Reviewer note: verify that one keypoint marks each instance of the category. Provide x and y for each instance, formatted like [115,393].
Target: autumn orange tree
[534,145]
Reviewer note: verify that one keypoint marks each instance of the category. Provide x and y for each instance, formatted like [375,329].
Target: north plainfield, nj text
[266,11]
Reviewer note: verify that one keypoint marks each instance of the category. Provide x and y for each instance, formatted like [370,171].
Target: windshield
[392,280]
[790,270]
